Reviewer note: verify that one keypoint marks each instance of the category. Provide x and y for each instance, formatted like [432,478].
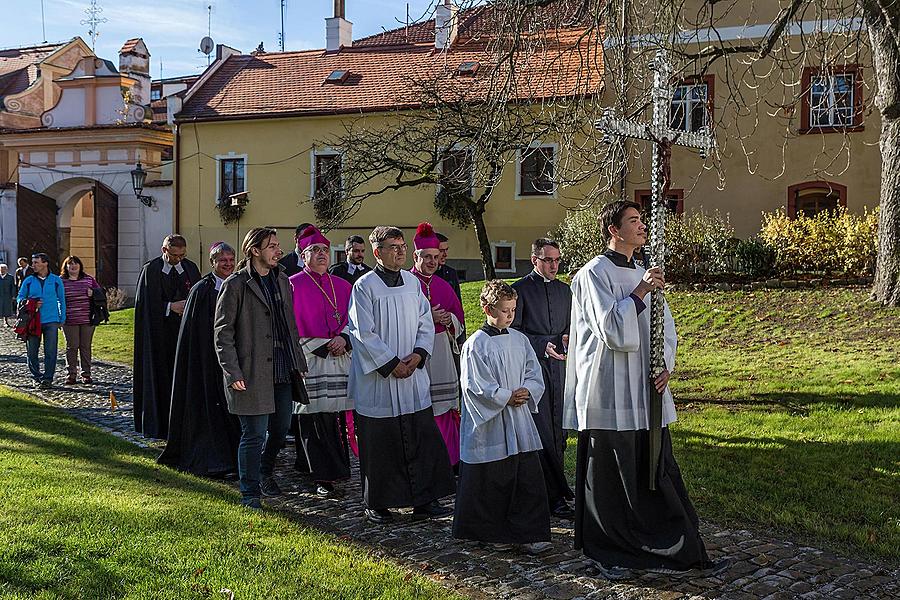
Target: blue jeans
[50,333]
[256,451]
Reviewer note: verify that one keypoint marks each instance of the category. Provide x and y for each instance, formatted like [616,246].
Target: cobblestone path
[762,567]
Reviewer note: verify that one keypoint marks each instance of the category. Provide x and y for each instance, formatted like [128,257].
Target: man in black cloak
[542,314]
[353,268]
[445,271]
[293,261]
[203,435]
[162,290]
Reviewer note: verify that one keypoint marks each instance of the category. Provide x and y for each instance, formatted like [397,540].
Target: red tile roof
[19,66]
[293,83]
[130,45]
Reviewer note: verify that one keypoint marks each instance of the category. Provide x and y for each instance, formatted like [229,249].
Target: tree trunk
[484,242]
[882,24]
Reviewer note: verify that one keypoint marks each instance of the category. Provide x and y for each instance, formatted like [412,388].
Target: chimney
[445,25]
[338,30]
[134,62]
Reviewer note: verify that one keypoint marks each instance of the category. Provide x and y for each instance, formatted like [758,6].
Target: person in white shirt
[502,498]
[619,521]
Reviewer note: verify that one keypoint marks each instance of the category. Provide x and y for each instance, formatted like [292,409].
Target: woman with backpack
[80,287]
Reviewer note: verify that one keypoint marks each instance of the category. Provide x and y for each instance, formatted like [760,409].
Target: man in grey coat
[258,346]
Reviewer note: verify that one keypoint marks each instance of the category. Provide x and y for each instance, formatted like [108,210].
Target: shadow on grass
[798,403]
[842,492]
[65,436]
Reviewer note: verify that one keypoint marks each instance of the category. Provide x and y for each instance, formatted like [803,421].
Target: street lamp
[138,176]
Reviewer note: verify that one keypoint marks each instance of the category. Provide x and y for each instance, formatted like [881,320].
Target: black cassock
[155,340]
[542,314]
[449,274]
[203,435]
[291,263]
[343,271]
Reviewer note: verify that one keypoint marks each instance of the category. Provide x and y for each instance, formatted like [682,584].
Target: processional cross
[664,138]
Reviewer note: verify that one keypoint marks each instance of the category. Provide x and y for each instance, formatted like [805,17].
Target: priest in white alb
[619,521]
[402,458]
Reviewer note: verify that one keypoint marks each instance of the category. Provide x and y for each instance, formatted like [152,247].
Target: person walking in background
[353,268]
[7,294]
[79,287]
[293,260]
[22,272]
[445,271]
[48,293]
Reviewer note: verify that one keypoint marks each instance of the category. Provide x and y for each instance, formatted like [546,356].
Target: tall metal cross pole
[663,138]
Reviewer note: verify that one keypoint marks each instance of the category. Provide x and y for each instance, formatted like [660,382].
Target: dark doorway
[106,235]
[36,225]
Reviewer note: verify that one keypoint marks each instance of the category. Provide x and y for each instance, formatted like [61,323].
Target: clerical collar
[167,267]
[219,281]
[390,278]
[541,276]
[352,268]
[618,259]
[492,331]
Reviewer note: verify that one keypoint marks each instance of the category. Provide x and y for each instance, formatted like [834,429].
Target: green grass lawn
[87,515]
[115,340]
[789,410]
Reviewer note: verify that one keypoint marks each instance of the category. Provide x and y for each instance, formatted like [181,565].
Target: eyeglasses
[549,261]
[315,250]
[397,247]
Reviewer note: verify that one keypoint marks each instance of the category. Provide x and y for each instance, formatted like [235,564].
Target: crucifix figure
[663,138]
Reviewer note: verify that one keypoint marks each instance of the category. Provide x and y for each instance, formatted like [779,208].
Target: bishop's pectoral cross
[663,138]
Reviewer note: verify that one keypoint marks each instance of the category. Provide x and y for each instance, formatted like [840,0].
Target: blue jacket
[51,291]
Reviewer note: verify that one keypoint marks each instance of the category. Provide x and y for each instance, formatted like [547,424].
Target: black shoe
[269,487]
[379,516]
[45,384]
[715,567]
[432,510]
[326,489]
[562,510]
[614,573]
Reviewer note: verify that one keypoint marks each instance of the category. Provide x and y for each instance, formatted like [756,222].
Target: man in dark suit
[353,268]
[445,271]
[293,261]
[542,314]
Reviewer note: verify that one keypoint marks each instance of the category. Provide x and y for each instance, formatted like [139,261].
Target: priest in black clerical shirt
[293,261]
[162,290]
[445,271]
[354,267]
[542,314]
[203,436]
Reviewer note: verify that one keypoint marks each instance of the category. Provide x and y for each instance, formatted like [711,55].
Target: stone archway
[88,225]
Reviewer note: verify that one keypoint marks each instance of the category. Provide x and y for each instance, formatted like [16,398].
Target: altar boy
[501,499]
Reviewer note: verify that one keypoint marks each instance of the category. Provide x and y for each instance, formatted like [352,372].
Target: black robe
[203,435]
[542,314]
[342,270]
[155,341]
[289,262]
[449,274]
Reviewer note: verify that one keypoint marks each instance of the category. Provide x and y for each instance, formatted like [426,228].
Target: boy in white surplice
[501,498]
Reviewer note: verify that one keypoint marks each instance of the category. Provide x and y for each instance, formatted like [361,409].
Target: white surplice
[384,323]
[492,368]
[442,372]
[609,352]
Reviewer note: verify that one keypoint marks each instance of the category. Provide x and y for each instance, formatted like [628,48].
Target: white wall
[9,239]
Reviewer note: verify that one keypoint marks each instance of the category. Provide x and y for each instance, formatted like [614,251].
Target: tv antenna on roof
[281,34]
[206,44]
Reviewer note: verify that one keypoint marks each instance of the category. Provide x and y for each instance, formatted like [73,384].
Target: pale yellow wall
[81,236]
[279,193]
[761,155]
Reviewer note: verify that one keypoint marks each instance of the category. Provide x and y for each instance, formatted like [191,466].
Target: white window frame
[326,151]
[230,156]
[440,166]
[534,146]
[831,109]
[512,262]
[334,250]
[687,102]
